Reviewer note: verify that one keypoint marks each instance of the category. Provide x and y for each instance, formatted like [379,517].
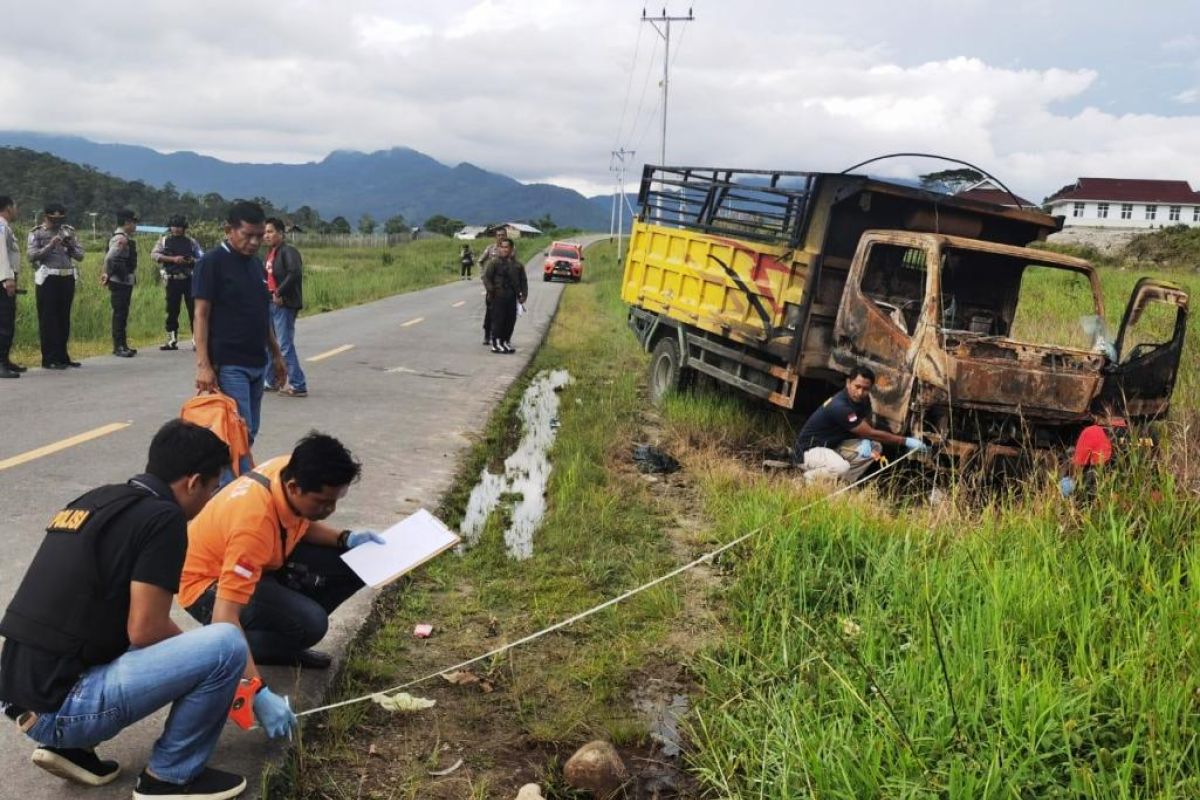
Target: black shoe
[169,346]
[308,659]
[71,363]
[487,342]
[73,764]
[508,348]
[15,367]
[211,784]
[53,365]
[124,352]
[5,372]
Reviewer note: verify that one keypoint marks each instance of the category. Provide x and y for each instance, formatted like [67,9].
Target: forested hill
[35,179]
[398,181]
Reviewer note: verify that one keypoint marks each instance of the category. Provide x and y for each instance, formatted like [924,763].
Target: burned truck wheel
[667,372]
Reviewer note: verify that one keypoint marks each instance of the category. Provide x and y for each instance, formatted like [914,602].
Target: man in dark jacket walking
[504,280]
[285,281]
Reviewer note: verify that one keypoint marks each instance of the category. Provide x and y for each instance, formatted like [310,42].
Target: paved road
[406,396]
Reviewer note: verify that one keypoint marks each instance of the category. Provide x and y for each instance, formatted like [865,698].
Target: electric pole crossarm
[665,34]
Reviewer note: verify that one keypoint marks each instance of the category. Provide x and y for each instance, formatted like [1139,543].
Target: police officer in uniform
[53,249]
[120,274]
[10,266]
[102,581]
[176,254]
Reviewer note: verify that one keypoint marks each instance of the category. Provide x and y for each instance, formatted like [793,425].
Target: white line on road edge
[458,304]
[412,322]
[330,353]
[596,609]
[63,444]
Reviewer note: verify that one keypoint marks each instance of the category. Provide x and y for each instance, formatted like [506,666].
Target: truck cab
[979,344]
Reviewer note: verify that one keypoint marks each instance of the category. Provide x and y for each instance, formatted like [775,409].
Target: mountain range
[346,183]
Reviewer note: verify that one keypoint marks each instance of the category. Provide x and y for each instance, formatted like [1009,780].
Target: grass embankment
[1018,647]
[334,277]
[603,534]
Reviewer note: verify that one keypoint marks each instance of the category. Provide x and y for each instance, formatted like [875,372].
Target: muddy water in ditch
[522,485]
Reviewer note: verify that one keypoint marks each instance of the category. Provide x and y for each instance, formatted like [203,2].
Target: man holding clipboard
[260,557]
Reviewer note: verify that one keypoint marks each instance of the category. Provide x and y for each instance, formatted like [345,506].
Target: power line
[629,85]
[637,117]
[665,33]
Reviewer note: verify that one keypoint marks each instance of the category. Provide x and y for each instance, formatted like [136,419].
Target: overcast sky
[1038,93]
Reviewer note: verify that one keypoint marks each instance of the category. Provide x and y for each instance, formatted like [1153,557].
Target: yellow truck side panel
[678,273]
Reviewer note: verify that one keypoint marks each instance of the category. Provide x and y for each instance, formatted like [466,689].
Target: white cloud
[535,88]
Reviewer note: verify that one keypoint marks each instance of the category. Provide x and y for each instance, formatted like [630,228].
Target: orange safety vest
[218,413]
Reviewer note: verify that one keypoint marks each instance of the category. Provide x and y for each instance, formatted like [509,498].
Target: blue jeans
[245,386]
[196,673]
[284,320]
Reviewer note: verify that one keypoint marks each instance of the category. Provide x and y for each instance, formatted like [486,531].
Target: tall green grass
[1026,653]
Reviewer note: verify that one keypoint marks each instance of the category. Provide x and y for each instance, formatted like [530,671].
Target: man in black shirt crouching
[90,647]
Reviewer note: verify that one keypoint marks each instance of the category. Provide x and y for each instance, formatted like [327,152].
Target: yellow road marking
[459,303]
[63,444]
[412,322]
[330,353]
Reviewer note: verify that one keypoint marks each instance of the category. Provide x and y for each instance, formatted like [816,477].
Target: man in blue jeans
[90,647]
[285,279]
[233,325]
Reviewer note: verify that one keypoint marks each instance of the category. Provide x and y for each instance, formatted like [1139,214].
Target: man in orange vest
[261,557]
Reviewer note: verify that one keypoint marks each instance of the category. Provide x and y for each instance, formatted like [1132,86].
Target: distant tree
[440,223]
[951,181]
[395,224]
[366,224]
[306,218]
[544,223]
[339,224]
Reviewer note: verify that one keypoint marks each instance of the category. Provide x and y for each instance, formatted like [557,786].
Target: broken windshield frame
[985,294]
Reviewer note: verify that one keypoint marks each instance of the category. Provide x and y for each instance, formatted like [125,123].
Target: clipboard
[409,543]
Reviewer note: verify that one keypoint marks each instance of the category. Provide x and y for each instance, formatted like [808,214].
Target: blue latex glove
[362,537]
[865,448]
[1066,486]
[273,713]
[915,445]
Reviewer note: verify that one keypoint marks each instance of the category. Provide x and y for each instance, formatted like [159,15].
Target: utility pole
[665,33]
[617,165]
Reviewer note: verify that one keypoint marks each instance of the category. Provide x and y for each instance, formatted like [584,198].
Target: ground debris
[402,701]
[597,768]
[653,460]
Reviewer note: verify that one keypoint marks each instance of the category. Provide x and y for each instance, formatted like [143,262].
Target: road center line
[63,444]
[458,304]
[412,322]
[330,353]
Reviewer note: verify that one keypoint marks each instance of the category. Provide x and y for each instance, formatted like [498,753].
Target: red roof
[1129,190]
[997,196]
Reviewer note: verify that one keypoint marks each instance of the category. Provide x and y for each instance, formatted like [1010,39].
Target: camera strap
[265,482]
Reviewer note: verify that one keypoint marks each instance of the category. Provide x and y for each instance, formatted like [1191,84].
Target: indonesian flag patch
[243,568]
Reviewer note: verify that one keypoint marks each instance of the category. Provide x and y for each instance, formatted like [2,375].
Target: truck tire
[667,373]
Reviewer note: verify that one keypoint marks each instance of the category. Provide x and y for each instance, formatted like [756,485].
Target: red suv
[564,260]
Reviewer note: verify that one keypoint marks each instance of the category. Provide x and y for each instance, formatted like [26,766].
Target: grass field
[1011,646]
[334,277]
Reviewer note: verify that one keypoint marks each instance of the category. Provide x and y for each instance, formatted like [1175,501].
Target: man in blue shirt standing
[233,322]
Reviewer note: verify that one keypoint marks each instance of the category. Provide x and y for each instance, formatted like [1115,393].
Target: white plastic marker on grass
[526,471]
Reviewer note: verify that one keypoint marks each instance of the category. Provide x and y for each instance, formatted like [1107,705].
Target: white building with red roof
[1126,203]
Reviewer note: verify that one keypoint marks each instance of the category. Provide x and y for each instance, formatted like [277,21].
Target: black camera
[299,578]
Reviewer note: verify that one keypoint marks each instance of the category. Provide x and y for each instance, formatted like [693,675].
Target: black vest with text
[61,606]
[178,246]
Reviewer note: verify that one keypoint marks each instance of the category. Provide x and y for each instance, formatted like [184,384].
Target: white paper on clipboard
[410,543]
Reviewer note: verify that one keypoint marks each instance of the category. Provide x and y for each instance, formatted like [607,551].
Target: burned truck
[777,283]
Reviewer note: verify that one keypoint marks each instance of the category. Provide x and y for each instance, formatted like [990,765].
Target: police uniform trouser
[54,298]
[8,320]
[487,319]
[504,316]
[120,295]
[287,615]
[179,289]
